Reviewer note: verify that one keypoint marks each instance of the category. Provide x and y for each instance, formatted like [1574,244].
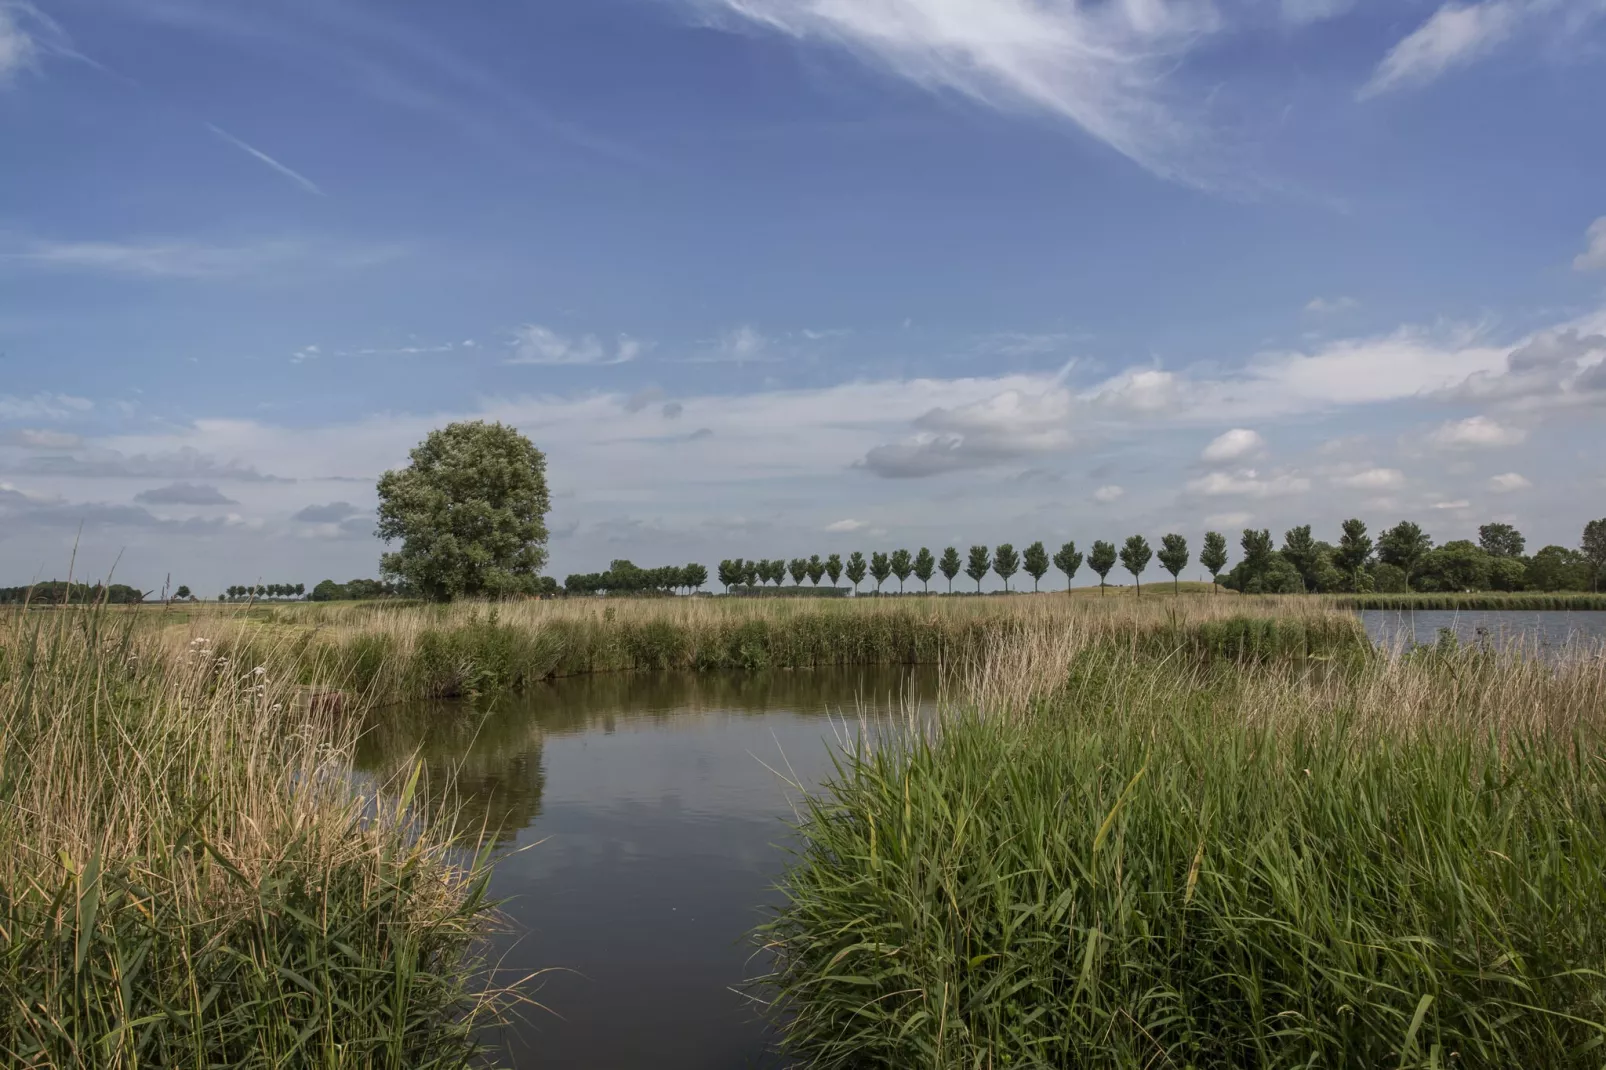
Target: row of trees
[257,592]
[60,591]
[1403,558]
[624,577]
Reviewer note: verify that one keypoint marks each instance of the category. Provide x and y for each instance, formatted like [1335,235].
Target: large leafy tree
[980,562]
[694,576]
[925,565]
[469,511]
[1035,561]
[1556,568]
[1501,540]
[1006,562]
[1594,550]
[730,572]
[1135,557]
[833,568]
[816,569]
[1068,560]
[1101,560]
[880,568]
[1214,555]
[1458,565]
[949,566]
[1302,551]
[1174,557]
[1404,546]
[799,567]
[1354,550]
[856,570]
[754,574]
[903,563]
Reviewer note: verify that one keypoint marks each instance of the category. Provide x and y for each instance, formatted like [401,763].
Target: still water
[643,823]
[1542,631]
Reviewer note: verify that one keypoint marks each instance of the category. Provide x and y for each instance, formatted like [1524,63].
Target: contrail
[295,176]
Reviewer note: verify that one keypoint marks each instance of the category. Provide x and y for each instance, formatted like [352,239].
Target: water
[641,838]
[1548,630]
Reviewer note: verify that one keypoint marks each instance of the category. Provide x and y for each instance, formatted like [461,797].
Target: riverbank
[1101,859]
[1488,601]
[189,876]
[392,653]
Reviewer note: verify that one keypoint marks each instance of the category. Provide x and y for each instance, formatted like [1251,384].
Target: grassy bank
[396,652]
[188,876]
[1517,601]
[1109,861]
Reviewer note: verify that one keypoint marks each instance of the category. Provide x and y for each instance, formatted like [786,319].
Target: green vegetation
[623,577]
[63,592]
[1110,856]
[469,513]
[189,878]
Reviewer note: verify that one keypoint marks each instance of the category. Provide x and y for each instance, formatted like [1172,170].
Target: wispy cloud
[1475,432]
[180,259]
[1109,494]
[42,406]
[293,175]
[1593,258]
[184,494]
[1508,482]
[1104,67]
[1324,306]
[534,344]
[1234,445]
[17,46]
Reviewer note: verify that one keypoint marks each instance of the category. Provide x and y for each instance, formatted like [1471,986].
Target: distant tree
[1300,550]
[301,588]
[1006,562]
[778,571]
[1214,556]
[1035,562]
[762,570]
[1135,556]
[1557,568]
[1101,560]
[799,568]
[1501,540]
[729,573]
[469,511]
[1404,546]
[1257,548]
[949,566]
[903,563]
[1173,557]
[1458,565]
[1068,560]
[925,565]
[816,569]
[182,594]
[1354,550]
[1387,579]
[833,567]
[221,597]
[695,576]
[328,591]
[262,590]
[880,569]
[1507,573]
[753,575]
[1593,548]
[855,570]
[979,565]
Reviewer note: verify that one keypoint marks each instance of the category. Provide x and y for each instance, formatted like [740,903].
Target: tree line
[257,592]
[1402,558]
[61,591]
[624,577]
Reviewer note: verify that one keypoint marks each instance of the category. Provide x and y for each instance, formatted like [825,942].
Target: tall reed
[1104,859]
[190,877]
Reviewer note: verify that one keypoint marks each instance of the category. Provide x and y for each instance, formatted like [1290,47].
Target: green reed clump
[1211,868]
[189,876]
[1487,600]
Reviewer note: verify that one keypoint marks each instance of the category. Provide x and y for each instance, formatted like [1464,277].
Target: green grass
[1159,865]
[189,877]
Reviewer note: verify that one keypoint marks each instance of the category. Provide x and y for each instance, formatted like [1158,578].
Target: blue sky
[770,277]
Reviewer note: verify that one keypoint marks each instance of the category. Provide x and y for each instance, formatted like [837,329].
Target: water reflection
[658,817]
[1547,631]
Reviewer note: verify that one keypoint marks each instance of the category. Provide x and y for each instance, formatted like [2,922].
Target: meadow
[1104,856]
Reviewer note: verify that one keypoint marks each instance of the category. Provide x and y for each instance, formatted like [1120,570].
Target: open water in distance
[1546,631]
[652,836]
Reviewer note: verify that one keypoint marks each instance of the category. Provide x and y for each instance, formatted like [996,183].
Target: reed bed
[1517,601]
[189,875]
[415,651]
[1107,856]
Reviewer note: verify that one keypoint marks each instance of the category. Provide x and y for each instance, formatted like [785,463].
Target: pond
[643,819]
[1543,631]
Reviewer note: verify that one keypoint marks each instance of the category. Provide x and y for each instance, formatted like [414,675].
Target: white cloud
[1147,390]
[1459,503]
[1009,424]
[1508,482]
[41,439]
[296,177]
[846,526]
[1107,494]
[187,259]
[1454,36]
[1475,432]
[1594,255]
[43,406]
[1104,67]
[1248,484]
[184,494]
[534,344]
[17,46]
[1373,479]
[1227,520]
[1322,306]
[1234,445]
[1304,12]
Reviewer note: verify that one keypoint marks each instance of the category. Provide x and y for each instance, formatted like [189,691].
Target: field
[1204,830]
